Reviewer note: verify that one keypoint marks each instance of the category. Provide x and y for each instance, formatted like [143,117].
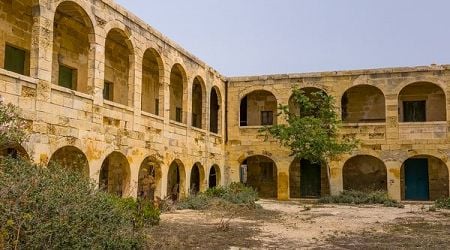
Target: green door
[309,179]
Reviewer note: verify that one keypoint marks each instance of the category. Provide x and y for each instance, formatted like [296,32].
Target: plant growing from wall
[311,131]
[12,127]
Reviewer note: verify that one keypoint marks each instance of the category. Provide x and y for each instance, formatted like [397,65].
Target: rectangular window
[15,59]
[67,77]
[414,111]
[156,106]
[266,117]
[178,114]
[108,91]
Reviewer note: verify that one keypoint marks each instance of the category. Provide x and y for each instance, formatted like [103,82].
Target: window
[266,117]
[243,111]
[414,111]
[108,91]
[178,114]
[156,106]
[67,77]
[15,59]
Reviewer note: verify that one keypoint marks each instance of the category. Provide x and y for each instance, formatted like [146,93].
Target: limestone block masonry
[104,92]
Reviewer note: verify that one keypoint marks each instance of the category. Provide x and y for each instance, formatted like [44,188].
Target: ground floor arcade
[416,178]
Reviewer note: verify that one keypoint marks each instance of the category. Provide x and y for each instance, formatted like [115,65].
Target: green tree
[311,131]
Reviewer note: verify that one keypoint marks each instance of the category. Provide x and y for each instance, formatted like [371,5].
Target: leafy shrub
[195,202]
[442,203]
[235,193]
[54,208]
[359,197]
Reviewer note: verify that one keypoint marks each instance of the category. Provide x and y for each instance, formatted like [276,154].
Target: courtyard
[300,224]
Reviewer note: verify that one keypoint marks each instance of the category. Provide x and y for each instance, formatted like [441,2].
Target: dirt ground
[294,224]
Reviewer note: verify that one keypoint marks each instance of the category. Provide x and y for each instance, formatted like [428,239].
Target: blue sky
[254,37]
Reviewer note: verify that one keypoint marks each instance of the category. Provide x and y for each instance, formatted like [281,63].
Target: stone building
[108,95]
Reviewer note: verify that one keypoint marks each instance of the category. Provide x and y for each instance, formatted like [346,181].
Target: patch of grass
[235,193]
[359,197]
[442,203]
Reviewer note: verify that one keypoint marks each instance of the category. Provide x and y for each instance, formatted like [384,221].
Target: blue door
[416,179]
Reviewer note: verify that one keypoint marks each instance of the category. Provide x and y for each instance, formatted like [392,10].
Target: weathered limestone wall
[104,42]
[384,137]
[363,104]
[71,46]
[259,101]
[117,67]
[151,93]
[16,22]
[59,117]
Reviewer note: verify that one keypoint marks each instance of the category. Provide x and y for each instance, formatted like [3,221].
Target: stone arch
[364,173]
[152,98]
[72,158]
[115,174]
[198,108]
[293,106]
[363,103]
[15,151]
[16,47]
[215,110]
[424,177]
[149,179]
[307,180]
[261,174]
[176,180]
[197,179]
[422,102]
[119,65]
[258,108]
[214,177]
[73,58]
[178,94]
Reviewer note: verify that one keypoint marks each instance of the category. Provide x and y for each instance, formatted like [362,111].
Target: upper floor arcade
[377,106]
[94,55]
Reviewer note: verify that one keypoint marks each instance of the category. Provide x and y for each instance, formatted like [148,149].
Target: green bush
[195,202]
[53,208]
[359,197]
[235,193]
[442,203]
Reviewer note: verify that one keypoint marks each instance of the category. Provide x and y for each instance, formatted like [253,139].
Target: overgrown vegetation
[235,193]
[442,203]
[359,197]
[311,132]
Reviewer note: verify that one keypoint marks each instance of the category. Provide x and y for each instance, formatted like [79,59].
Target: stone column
[283,180]
[336,181]
[42,50]
[393,169]
[134,178]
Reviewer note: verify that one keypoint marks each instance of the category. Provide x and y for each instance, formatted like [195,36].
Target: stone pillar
[42,51]
[392,117]
[163,182]
[134,178]
[283,180]
[393,169]
[336,180]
